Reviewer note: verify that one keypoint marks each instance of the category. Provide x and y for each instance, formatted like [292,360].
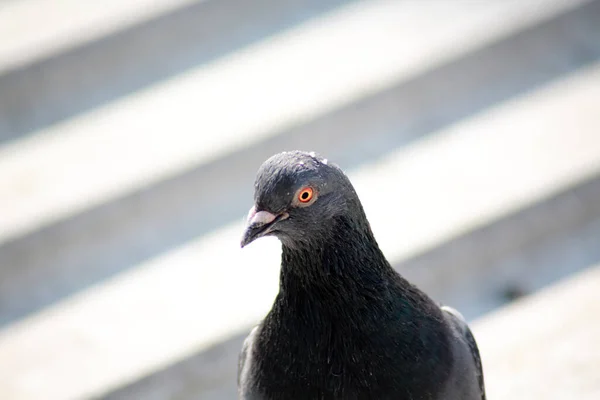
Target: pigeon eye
[305,195]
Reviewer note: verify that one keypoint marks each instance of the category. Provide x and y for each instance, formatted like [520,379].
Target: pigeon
[345,324]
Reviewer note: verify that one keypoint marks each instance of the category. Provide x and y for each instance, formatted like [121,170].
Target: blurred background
[130,133]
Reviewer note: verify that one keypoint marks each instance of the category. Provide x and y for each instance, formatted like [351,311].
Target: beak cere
[258,224]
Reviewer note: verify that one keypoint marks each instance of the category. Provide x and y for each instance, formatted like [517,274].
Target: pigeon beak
[259,224]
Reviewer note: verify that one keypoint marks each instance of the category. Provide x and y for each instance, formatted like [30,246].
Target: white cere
[312,154]
[324,161]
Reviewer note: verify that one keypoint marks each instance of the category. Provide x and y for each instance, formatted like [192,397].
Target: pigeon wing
[461,328]
[245,364]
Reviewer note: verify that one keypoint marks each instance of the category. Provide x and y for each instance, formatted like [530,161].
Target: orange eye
[305,195]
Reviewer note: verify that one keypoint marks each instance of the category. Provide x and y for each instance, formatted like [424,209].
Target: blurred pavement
[130,136]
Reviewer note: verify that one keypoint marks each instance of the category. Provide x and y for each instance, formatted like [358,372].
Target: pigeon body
[345,324]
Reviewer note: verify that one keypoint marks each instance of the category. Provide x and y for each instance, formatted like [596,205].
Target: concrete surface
[470,132]
[31,30]
[546,346]
[83,56]
[85,225]
[177,304]
[310,61]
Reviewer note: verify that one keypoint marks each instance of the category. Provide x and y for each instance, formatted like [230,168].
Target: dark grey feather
[466,352]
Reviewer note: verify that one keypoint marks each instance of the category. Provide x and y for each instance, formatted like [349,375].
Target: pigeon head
[297,196]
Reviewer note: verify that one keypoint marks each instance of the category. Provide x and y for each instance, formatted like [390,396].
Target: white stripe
[33,29]
[545,346]
[484,168]
[240,99]
[182,302]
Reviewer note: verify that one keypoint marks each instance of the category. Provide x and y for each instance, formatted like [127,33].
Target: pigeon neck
[347,261]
